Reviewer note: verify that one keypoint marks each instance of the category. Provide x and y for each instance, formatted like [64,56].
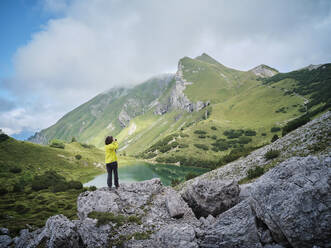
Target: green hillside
[186,118]
[40,181]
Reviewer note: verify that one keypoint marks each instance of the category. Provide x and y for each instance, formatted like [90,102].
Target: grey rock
[273,246]
[234,228]
[124,118]
[28,239]
[263,71]
[176,236]
[100,201]
[294,201]
[245,191]
[60,232]
[4,231]
[211,196]
[91,235]
[5,241]
[174,204]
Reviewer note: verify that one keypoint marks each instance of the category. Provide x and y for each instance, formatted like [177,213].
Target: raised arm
[113,146]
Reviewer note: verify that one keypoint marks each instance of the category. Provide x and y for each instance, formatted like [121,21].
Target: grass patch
[271,154]
[118,220]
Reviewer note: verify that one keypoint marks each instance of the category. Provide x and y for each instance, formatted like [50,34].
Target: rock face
[174,205]
[294,201]
[211,196]
[289,206]
[177,98]
[264,71]
[181,236]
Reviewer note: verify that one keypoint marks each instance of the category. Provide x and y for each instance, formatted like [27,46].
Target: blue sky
[57,54]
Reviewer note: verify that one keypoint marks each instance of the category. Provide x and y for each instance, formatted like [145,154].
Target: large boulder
[176,236]
[5,241]
[234,228]
[129,198]
[211,196]
[60,232]
[175,204]
[294,201]
[91,235]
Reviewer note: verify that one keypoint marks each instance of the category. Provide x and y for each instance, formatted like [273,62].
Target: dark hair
[109,140]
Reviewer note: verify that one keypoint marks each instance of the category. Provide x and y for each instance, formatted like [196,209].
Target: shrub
[18,187]
[232,134]
[73,139]
[263,134]
[92,188]
[201,146]
[294,124]
[3,137]
[3,191]
[175,182]
[244,140]
[87,146]
[255,172]
[200,132]
[21,209]
[183,145]
[275,129]
[201,136]
[271,154]
[57,144]
[48,179]
[274,138]
[213,128]
[75,185]
[165,148]
[60,187]
[78,156]
[250,133]
[15,169]
[214,137]
[190,175]
[184,135]
[104,218]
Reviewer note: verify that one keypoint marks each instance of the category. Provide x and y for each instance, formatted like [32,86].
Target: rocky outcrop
[211,196]
[124,118]
[289,206]
[38,138]
[174,205]
[264,71]
[294,201]
[180,236]
[177,98]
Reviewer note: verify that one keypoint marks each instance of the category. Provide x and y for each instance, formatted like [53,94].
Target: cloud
[98,44]
[6,105]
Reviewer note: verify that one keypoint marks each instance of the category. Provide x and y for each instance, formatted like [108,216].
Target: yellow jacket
[111,152]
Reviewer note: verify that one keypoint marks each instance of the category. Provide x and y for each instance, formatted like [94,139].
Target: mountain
[201,112]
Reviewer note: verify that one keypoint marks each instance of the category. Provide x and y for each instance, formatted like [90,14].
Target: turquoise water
[140,171]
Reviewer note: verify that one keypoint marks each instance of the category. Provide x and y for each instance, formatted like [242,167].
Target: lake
[140,171]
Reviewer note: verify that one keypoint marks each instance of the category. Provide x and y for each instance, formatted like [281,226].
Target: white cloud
[99,44]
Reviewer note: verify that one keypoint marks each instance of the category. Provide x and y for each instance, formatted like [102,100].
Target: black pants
[112,167]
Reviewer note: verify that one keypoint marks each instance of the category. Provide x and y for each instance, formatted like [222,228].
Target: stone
[179,236]
[174,205]
[91,235]
[233,228]
[294,201]
[5,241]
[211,196]
[100,201]
[60,232]
[4,231]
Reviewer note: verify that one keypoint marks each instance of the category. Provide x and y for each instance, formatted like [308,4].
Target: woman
[111,160]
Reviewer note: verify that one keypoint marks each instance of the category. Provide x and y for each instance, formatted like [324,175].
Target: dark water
[140,171]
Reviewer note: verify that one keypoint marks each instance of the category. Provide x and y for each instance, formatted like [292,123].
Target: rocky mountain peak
[264,71]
